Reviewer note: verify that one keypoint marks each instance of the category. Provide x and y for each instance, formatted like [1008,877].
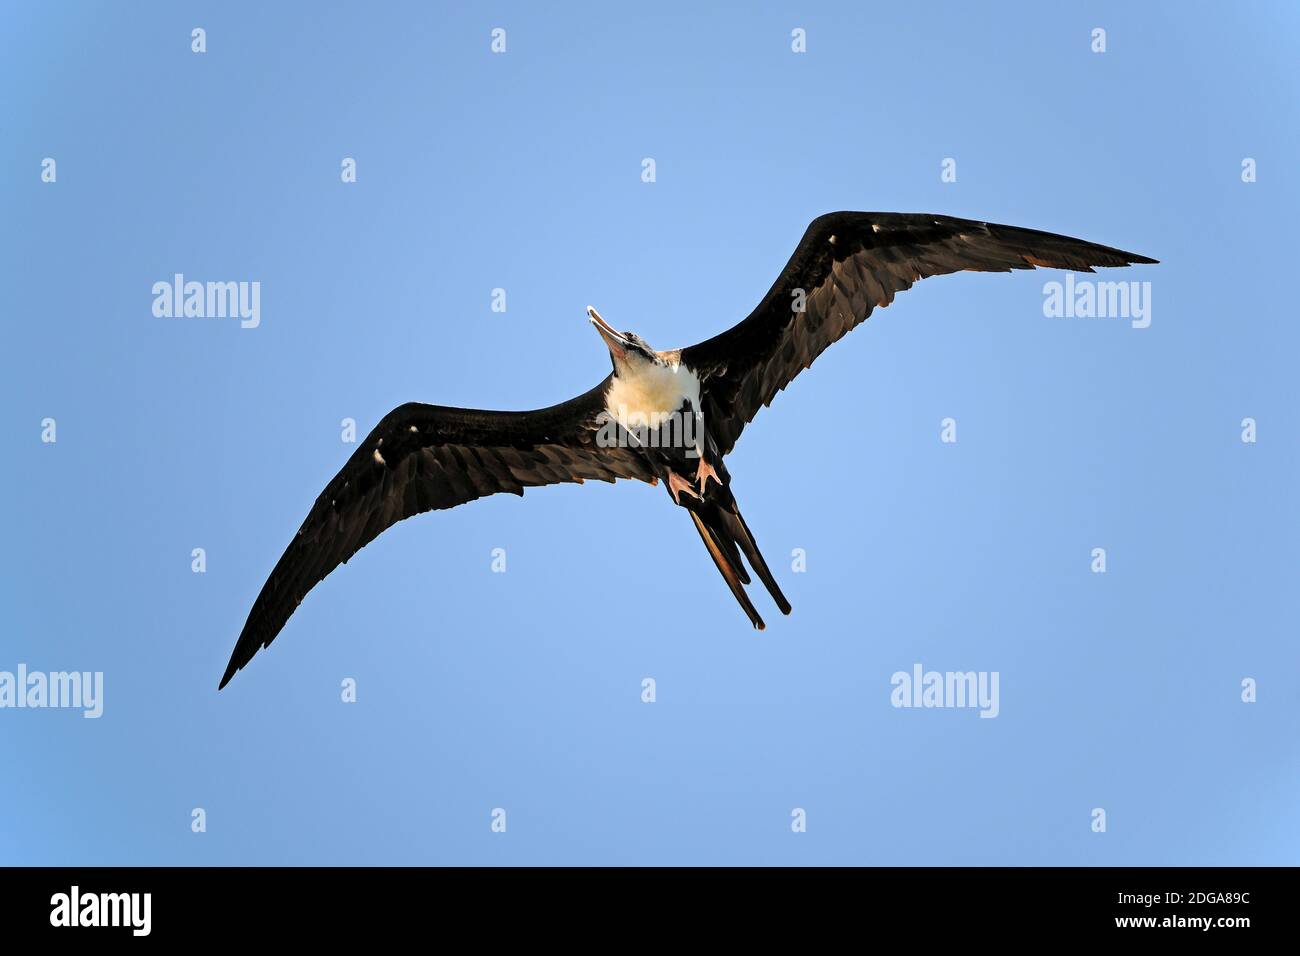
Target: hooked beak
[616,343]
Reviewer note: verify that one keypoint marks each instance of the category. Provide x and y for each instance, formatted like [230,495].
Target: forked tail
[727,537]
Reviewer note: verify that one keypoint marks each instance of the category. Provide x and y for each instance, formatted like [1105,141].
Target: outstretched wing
[847,264]
[426,457]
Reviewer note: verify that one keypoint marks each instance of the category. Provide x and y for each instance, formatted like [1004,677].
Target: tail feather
[728,546]
[717,518]
[730,571]
[739,531]
[727,537]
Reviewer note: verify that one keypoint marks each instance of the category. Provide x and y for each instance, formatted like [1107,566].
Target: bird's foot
[677,484]
[703,472]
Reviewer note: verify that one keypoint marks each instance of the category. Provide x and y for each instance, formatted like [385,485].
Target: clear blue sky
[522,690]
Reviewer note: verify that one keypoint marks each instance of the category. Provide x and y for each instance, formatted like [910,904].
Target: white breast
[646,394]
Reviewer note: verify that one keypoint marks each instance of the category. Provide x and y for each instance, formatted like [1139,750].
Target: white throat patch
[647,394]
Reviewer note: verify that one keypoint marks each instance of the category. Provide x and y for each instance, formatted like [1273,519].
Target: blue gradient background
[522,690]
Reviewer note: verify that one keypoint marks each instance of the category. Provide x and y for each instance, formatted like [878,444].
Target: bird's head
[627,350]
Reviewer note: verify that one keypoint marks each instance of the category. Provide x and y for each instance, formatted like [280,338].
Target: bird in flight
[669,417]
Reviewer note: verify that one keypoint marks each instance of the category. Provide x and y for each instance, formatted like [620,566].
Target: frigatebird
[669,416]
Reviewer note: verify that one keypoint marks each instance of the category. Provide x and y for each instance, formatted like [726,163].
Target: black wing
[426,457]
[847,264]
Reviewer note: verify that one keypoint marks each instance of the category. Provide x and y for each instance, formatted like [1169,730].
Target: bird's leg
[704,470]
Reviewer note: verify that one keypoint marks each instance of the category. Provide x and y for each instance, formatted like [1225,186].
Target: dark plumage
[847,264]
[428,457]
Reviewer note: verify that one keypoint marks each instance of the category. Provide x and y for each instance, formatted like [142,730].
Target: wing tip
[231,670]
[239,659]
